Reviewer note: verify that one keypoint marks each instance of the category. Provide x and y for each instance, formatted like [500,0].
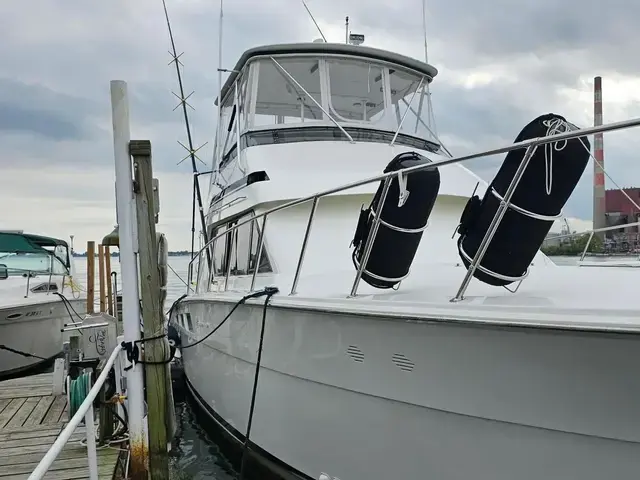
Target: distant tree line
[178,253]
[574,246]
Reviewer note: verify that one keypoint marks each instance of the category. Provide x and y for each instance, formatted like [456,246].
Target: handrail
[33,273]
[84,411]
[596,230]
[526,144]
[591,233]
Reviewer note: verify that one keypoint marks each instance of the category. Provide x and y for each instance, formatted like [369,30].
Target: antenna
[431,119]
[314,20]
[217,161]
[424,30]
[175,58]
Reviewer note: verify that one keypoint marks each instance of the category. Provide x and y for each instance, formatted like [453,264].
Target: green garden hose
[78,391]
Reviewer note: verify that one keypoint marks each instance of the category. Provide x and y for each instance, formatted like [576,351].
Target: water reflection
[194,455]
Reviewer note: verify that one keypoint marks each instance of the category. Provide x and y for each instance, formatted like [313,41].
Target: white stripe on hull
[376,398]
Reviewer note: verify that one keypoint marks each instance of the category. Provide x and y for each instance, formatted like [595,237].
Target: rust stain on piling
[138,460]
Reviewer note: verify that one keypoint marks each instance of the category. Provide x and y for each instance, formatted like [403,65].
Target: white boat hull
[33,328]
[379,398]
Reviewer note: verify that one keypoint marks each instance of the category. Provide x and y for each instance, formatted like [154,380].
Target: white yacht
[37,297]
[486,361]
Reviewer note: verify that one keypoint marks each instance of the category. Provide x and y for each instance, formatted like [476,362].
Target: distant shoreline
[180,253]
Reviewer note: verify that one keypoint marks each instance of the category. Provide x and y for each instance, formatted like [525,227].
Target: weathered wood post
[107,263]
[156,350]
[101,284]
[91,275]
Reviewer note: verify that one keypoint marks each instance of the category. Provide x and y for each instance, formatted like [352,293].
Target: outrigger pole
[192,152]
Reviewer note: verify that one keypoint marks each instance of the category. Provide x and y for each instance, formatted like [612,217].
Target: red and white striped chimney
[599,207]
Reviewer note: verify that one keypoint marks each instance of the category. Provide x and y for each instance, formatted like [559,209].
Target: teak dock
[30,420]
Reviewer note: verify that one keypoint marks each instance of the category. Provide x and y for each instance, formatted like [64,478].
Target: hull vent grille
[402,362]
[355,353]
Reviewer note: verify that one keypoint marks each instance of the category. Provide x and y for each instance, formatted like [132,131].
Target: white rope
[559,126]
[554,127]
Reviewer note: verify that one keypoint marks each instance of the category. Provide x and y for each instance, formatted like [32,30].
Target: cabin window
[219,249]
[227,127]
[243,101]
[238,249]
[356,91]
[403,85]
[279,100]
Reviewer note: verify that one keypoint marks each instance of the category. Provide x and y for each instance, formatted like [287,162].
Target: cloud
[500,64]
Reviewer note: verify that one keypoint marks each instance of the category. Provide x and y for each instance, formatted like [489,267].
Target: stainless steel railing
[529,145]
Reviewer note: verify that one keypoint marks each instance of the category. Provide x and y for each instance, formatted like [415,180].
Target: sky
[501,63]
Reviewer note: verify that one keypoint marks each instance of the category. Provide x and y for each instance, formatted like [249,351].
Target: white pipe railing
[85,411]
[529,144]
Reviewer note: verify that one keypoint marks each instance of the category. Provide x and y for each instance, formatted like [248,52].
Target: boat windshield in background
[22,253]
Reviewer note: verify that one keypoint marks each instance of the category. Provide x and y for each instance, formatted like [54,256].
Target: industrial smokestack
[599,207]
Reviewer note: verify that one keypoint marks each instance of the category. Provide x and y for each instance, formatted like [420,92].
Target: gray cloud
[44,112]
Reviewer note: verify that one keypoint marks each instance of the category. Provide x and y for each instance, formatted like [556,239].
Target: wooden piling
[91,275]
[156,351]
[101,282]
[107,264]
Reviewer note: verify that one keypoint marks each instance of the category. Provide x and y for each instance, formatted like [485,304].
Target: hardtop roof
[327,48]
[14,242]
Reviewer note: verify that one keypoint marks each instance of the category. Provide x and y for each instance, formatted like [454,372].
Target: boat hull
[33,328]
[378,398]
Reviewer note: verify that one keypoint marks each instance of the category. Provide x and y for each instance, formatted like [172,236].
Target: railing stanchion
[303,249]
[495,223]
[259,255]
[92,454]
[586,247]
[228,256]
[371,238]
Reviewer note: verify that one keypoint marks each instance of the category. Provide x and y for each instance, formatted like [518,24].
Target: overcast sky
[501,64]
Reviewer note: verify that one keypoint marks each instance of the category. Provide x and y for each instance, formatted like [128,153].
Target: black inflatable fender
[403,217]
[544,188]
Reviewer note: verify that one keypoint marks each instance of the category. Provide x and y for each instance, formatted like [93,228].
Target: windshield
[321,90]
[17,264]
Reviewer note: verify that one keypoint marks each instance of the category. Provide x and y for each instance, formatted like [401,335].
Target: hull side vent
[355,353]
[402,362]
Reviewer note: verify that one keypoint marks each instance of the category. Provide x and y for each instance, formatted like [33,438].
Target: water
[194,456]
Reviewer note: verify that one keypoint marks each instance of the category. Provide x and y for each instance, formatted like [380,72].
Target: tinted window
[240,248]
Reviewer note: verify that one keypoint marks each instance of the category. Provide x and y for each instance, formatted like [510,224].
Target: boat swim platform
[31,418]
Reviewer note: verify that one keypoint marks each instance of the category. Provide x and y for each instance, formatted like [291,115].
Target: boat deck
[30,420]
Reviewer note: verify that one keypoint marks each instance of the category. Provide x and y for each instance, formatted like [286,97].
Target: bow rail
[529,145]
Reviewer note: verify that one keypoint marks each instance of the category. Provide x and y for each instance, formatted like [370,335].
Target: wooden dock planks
[30,420]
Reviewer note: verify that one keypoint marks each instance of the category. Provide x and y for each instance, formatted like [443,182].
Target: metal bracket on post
[495,223]
[156,198]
